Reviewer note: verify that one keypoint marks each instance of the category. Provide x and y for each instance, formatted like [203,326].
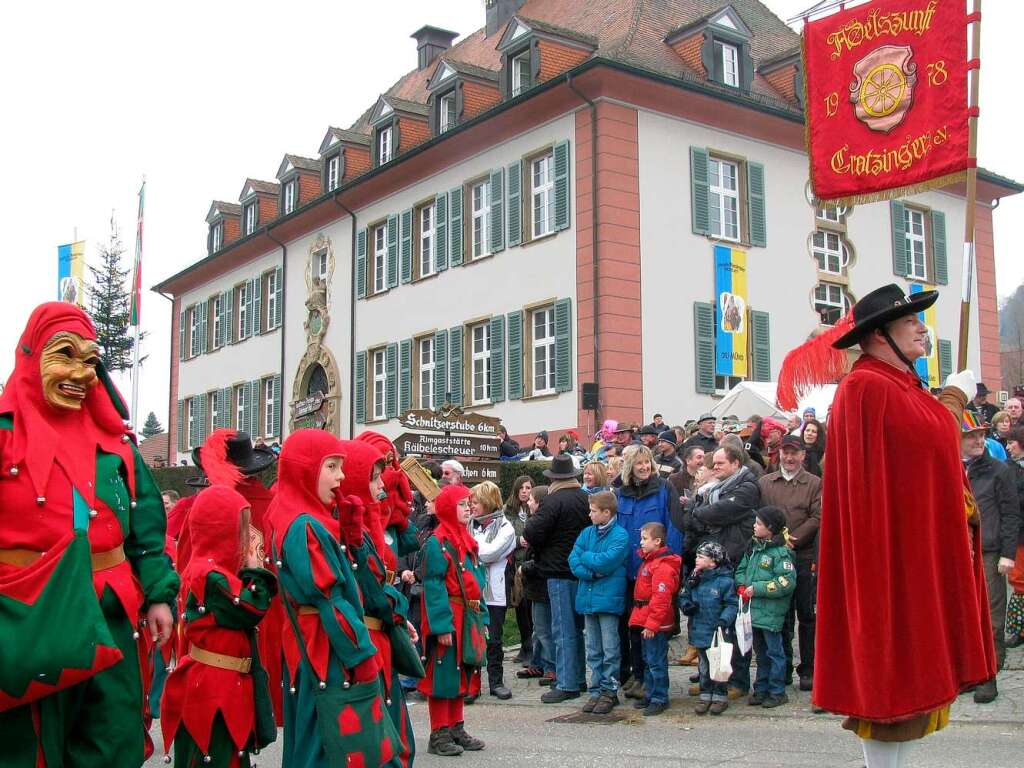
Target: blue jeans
[771,662]
[543,645]
[656,667]
[567,632]
[602,652]
[710,690]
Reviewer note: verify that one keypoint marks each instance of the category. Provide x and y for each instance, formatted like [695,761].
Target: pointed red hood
[214,525]
[449,528]
[398,504]
[360,459]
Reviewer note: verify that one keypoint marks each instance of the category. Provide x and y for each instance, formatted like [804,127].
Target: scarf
[713,491]
[490,524]
[449,529]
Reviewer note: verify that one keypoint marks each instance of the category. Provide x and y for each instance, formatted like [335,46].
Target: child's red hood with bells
[398,504]
[360,459]
[215,529]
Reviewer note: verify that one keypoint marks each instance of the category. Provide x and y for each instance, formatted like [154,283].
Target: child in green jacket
[766,578]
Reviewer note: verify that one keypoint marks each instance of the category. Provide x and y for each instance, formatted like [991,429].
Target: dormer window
[728,55]
[385,148]
[291,193]
[723,41]
[520,73]
[446,112]
[333,172]
[251,216]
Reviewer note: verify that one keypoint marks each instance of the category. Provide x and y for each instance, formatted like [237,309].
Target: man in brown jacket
[798,493]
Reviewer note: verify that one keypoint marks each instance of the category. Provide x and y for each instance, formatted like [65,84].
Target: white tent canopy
[750,397]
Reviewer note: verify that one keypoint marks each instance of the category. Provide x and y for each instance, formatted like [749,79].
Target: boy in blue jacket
[598,560]
[709,596]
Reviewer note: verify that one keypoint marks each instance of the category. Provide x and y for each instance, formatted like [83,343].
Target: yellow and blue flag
[71,273]
[731,311]
[928,366]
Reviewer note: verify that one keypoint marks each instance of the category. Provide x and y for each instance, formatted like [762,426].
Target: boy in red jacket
[657,583]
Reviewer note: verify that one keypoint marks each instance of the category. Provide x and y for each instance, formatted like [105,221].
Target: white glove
[1005,565]
[965,382]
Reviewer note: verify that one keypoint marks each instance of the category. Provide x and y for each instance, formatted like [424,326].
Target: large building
[582,194]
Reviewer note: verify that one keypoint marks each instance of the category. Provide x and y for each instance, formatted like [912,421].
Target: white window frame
[917,263]
[835,298]
[723,384]
[380,384]
[384,149]
[446,112]
[480,363]
[833,214]
[428,239]
[426,372]
[825,254]
[271,298]
[241,402]
[542,351]
[542,194]
[333,172]
[291,190]
[216,311]
[217,237]
[730,65]
[190,416]
[243,291]
[269,407]
[481,216]
[212,399]
[193,331]
[319,265]
[519,82]
[250,214]
[720,197]
[380,258]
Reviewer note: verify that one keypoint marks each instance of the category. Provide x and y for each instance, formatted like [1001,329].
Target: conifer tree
[109,305]
[152,426]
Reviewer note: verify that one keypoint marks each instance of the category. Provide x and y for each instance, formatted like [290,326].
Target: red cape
[903,621]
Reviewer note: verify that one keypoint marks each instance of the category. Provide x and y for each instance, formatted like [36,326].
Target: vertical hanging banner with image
[886,99]
[731,311]
[928,366]
[71,273]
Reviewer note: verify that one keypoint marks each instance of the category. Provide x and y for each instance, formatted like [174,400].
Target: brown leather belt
[221,661]
[101,561]
[474,604]
[369,621]
[389,577]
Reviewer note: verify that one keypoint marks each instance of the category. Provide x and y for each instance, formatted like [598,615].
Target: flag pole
[972,191]
[136,309]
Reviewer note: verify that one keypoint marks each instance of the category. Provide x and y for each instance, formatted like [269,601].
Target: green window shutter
[392,262]
[700,198]
[756,205]
[204,314]
[455,244]
[278,407]
[182,351]
[257,305]
[496,221]
[181,429]
[704,346]
[563,345]
[945,359]
[441,232]
[359,396]
[515,203]
[440,368]
[229,315]
[391,381]
[515,355]
[360,285]
[562,206]
[497,370]
[760,343]
[404,375]
[254,408]
[406,248]
[455,373]
[899,238]
[939,248]
[199,405]
[279,303]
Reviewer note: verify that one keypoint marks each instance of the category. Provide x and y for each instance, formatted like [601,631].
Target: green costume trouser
[222,749]
[95,724]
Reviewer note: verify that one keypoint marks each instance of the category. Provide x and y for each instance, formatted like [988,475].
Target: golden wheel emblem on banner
[882,90]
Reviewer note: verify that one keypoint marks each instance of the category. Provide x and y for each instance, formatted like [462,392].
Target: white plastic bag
[744,629]
[720,658]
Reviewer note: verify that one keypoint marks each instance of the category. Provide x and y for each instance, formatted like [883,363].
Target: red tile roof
[153,448]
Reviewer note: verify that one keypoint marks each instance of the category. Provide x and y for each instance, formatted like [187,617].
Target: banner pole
[967,276]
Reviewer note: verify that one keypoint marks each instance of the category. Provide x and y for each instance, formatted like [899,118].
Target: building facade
[614,196]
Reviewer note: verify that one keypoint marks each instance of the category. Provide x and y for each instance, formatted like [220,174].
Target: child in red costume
[211,699]
[657,583]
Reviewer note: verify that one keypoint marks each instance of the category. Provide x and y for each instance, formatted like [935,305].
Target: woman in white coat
[496,538]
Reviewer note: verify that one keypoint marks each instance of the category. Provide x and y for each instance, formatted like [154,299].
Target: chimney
[500,11]
[431,42]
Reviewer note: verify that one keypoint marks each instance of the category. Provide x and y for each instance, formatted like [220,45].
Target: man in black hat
[981,406]
[705,435]
[552,532]
[649,435]
[665,454]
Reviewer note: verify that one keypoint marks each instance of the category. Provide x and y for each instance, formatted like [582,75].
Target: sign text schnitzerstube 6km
[470,423]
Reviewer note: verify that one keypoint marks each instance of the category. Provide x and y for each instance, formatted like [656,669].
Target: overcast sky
[198,96]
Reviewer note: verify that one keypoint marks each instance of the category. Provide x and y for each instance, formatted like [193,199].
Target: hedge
[173,478]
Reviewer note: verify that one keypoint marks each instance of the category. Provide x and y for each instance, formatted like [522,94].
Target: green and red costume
[453,585]
[70,478]
[331,653]
[211,698]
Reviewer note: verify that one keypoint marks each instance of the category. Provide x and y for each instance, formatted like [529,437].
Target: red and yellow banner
[886,99]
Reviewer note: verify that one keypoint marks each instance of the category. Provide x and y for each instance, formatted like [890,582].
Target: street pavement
[525,732]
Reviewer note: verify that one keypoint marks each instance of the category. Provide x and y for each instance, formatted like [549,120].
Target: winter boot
[464,740]
[688,659]
[441,744]
[986,692]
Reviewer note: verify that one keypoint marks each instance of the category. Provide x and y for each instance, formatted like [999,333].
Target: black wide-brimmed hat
[250,460]
[881,306]
[562,468]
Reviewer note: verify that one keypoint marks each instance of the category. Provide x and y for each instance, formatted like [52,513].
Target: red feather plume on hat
[813,364]
[217,467]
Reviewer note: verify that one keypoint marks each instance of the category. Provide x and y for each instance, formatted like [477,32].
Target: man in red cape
[902,626]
